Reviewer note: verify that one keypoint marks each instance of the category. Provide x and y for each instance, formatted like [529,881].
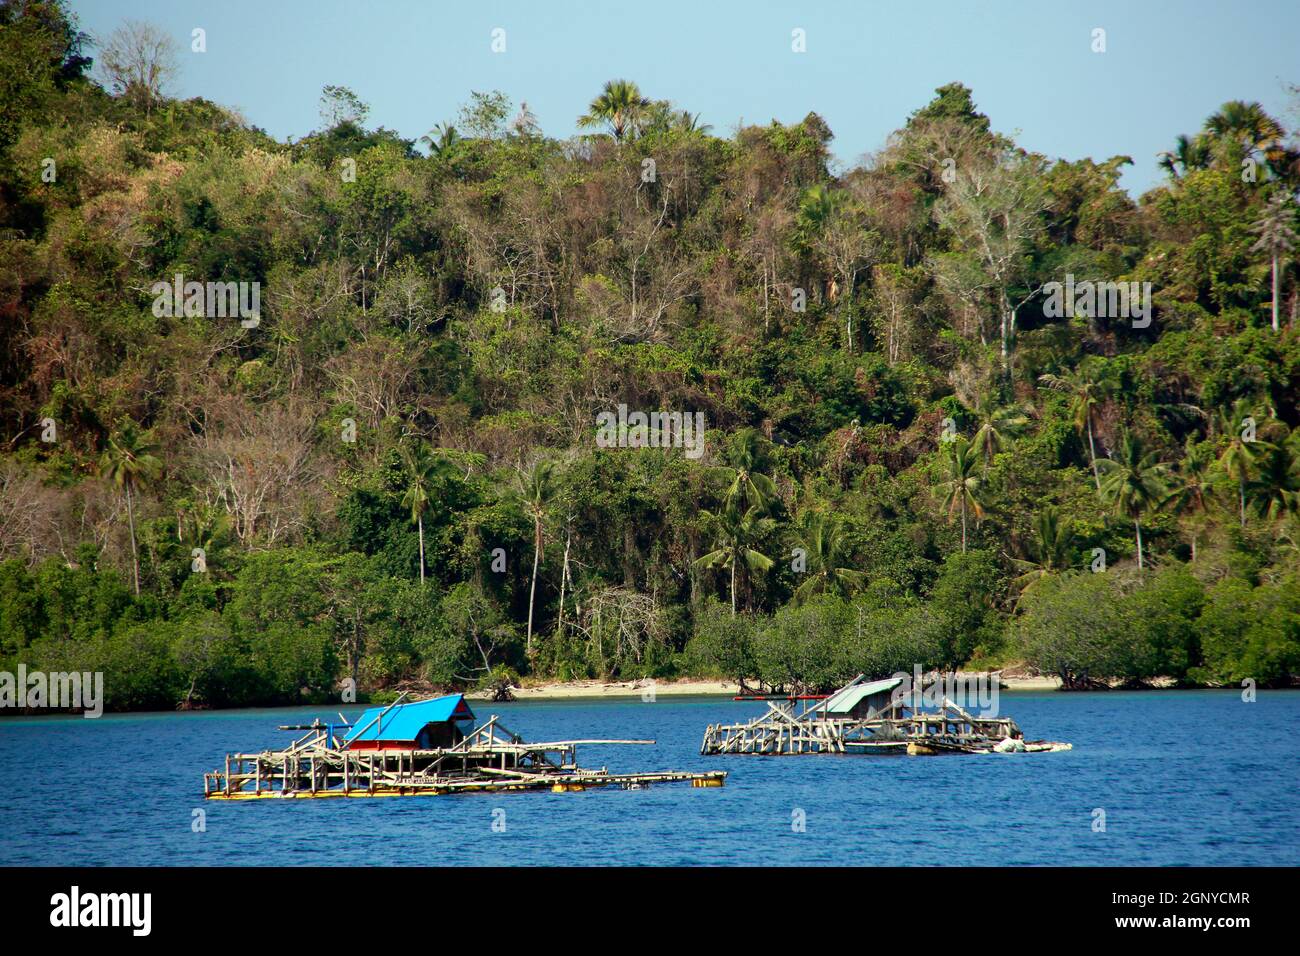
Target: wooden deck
[491,759]
[893,729]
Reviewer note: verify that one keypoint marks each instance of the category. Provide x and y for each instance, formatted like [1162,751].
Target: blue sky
[868,64]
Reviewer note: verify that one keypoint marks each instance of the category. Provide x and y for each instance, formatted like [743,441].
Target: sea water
[1155,778]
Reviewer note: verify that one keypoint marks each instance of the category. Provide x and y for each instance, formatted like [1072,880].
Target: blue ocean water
[1184,777]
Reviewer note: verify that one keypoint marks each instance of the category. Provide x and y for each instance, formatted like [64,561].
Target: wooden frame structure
[894,727]
[490,758]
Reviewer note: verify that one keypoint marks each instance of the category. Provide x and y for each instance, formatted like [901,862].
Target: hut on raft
[869,717]
[420,748]
[421,725]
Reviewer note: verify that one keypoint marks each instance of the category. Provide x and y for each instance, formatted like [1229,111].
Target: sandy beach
[683,688]
[596,688]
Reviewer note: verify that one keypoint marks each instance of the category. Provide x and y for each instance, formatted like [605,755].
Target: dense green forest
[913,454]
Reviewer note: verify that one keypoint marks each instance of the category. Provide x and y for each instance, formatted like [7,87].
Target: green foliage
[433,325]
[1086,627]
[723,644]
[964,600]
[1251,633]
[819,645]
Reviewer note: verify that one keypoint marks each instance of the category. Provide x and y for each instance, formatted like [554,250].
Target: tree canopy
[907,455]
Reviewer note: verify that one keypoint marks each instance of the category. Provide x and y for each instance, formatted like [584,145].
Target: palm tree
[660,118]
[684,121]
[1133,482]
[997,424]
[817,205]
[1191,485]
[1239,456]
[1051,551]
[441,139]
[736,534]
[1086,393]
[1248,127]
[620,106]
[742,475]
[961,490]
[128,462]
[817,208]
[1276,489]
[1190,153]
[827,547]
[423,470]
[1276,238]
[537,491]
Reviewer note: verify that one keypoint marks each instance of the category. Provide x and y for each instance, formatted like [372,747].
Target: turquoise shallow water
[1195,777]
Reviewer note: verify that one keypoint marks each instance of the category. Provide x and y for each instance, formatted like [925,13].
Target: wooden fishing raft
[420,749]
[869,717]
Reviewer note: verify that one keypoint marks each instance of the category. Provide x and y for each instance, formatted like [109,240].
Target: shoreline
[598,689]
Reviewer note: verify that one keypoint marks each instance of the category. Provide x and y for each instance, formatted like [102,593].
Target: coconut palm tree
[1277,238]
[1241,450]
[423,470]
[743,479]
[1189,153]
[620,106]
[997,424]
[684,121]
[1050,552]
[441,139]
[1275,491]
[128,462]
[737,533]
[1133,482]
[961,490]
[827,547]
[1086,393]
[537,490]
[660,117]
[1191,485]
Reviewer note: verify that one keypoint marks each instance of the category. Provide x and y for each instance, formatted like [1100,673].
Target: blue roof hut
[422,725]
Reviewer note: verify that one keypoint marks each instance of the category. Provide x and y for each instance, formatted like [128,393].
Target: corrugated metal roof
[846,698]
[405,721]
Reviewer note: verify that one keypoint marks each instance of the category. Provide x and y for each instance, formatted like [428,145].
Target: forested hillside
[923,444]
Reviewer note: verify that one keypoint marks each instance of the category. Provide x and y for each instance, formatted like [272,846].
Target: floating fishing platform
[420,749]
[869,717]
